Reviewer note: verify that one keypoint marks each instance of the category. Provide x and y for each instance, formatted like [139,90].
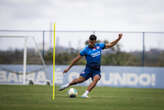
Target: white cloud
[76,13]
[118,15]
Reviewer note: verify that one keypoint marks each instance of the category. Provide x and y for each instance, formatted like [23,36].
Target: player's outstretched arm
[111,44]
[72,63]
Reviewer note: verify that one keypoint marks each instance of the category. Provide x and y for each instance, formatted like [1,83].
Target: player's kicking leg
[96,78]
[75,81]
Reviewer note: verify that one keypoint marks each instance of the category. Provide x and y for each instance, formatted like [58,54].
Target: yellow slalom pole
[53,96]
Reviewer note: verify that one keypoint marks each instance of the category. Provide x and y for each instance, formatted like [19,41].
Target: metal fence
[145,43]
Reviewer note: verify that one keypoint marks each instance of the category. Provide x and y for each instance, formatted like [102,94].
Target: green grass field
[102,98]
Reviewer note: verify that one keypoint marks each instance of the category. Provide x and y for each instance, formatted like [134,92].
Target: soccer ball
[72,92]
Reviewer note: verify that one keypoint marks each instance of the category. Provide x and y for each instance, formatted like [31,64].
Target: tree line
[114,56]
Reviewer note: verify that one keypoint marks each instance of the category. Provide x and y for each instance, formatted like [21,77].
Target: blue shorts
[90,73]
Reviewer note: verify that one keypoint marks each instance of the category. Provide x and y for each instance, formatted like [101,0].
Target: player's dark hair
[92,37]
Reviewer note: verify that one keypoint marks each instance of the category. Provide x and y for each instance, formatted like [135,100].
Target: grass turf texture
[18,97]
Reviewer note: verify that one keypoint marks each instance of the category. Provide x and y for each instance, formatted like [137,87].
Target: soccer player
[92,53]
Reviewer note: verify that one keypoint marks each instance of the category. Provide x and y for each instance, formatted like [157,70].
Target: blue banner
[114,76]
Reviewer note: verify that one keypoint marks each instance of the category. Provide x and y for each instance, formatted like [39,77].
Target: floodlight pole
[143,50]
[43,43]
[24,60]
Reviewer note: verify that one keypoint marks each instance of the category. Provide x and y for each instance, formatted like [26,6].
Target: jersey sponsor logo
[98,47]
[96,54]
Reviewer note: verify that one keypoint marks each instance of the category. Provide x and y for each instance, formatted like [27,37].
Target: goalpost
[24,60]
[24,53]
[24,63]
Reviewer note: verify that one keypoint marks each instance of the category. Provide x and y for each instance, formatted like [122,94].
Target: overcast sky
[83,14]
[112,15]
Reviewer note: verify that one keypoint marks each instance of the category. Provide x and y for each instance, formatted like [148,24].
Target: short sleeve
[82,52]
[102,45]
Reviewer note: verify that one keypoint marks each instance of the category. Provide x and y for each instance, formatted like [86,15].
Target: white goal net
[21,60]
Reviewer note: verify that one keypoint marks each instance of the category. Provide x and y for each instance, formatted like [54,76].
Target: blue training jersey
[93,55]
